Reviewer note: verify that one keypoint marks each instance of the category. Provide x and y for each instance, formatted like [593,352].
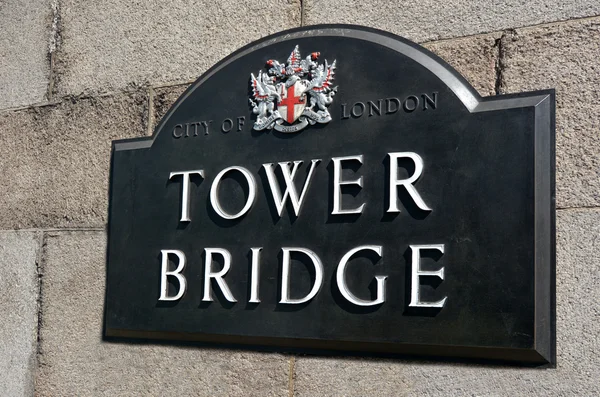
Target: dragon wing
[259,91]
[323,77]
[294,59]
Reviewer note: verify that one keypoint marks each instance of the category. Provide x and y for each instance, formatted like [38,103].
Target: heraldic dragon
[297,92]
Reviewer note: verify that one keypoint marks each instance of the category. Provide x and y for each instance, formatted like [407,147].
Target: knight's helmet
[293,62]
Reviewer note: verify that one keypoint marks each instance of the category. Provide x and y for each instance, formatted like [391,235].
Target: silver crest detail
[294,94]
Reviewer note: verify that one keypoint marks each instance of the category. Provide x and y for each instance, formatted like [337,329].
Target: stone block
[114,44]
[162,100]
[24,48]
[18,312]
[474,57]
[75,360]
[56,160]
[578,342]
[565,57]
[433,20]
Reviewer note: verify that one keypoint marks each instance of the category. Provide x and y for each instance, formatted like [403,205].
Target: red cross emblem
[292,103]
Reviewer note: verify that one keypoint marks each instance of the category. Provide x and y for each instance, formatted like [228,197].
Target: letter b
[164,273]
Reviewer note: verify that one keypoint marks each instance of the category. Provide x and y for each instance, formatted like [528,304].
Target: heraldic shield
[293,101]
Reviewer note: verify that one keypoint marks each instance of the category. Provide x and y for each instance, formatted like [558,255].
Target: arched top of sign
[425,58]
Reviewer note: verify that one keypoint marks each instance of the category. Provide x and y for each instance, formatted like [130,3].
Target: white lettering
[406,183]
[217,276]
[185,192]
[416,272]
[285,276]
[338,182]
[214,192]
[255,271]
[164,273]
[341,278]
[290,187]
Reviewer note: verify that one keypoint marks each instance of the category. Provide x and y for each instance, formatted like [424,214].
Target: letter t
[185,192]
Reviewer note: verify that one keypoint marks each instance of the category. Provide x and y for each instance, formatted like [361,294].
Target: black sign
[338,188]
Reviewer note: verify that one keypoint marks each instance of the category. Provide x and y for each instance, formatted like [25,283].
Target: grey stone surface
[75,361]
[578,342]
[431,19]
[55,160]
[474,57]
[24,66]
[162,100]
[18,312]
[112,44]
[566,57]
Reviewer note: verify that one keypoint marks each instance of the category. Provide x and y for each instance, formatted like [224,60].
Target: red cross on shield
[292,103]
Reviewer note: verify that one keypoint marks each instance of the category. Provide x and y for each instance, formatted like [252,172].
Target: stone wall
[75,75]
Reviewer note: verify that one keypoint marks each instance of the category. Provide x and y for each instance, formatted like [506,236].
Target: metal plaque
[339,188]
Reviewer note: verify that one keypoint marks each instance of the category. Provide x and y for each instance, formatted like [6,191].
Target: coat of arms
[292,95]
